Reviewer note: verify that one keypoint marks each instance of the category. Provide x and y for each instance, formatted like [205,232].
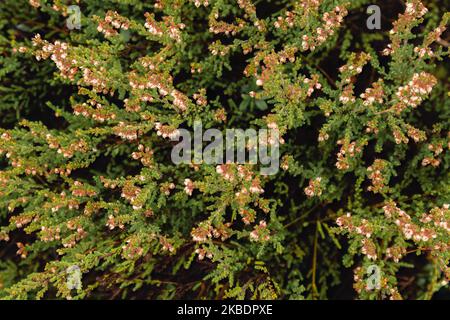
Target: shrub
[87,182]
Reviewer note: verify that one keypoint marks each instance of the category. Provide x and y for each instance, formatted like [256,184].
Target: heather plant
[94,96]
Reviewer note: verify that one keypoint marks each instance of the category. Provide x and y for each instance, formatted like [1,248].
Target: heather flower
[188,186]
[90,119]
[260,232]
[314,188]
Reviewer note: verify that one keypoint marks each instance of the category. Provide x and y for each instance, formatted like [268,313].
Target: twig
[301,217]
[314,264]
[443,43]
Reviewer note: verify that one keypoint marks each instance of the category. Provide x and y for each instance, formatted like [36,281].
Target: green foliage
[86,178]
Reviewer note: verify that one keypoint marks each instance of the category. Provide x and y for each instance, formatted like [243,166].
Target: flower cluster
[205,231]
[111,23]
[131,193]
[362,228]
[348,72]
[87,175]
[167,25]
[202,253]
[374,94]
[81,190]
[127,132]
[408,227]
[435,35]
[166,131]
[414,11]
[332,20]
[415,91]
[260,232]
[377,175]
[314,188]
[99,113]
[368,248]
[167,187]
[180,101]
[188,186]
[347,152]
[132,248]
[437,149]
[395,253]
[199,3]
[226,171]
[58,52]
[144,154]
